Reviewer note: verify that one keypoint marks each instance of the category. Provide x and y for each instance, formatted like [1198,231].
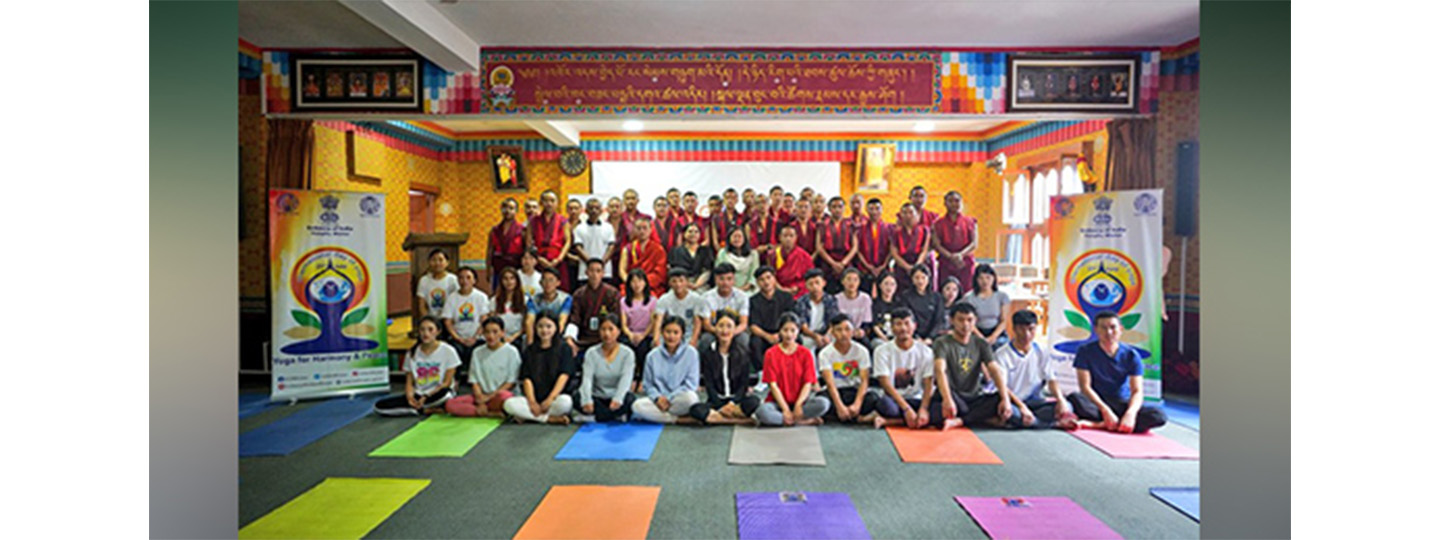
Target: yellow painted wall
[977,185]
[253,132]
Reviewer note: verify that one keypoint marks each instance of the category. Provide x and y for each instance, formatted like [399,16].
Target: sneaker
[762,388]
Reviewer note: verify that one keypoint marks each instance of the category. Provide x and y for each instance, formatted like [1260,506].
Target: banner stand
[1107,253]
[328,331]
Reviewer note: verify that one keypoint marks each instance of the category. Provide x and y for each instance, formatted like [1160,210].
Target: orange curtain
[288,153]
[1131,161]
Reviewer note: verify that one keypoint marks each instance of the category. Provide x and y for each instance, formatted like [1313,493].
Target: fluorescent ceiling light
[633,125]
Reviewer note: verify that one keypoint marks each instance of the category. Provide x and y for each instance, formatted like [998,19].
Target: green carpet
[490,491]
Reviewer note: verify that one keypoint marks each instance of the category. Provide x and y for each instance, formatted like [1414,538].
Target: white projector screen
[653,178]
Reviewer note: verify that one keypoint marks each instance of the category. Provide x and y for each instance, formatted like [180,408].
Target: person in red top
[549,234]
[857,209]
[764,227]
[667,225]
[790,373]
[790,262]
[786,210]
[911,245]
[835,246]
[956,236]
[873,238]
[507,242]
[926,218]
[805,226]
[646,255]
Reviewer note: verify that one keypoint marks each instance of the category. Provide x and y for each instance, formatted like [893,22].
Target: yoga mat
[959,445]
[600,512]
[438,436]
[793,445]
[293,432]
[337,508]
[1184,499]
[1183,414]
[252,404]
[612,442]
[773,515]
[1135,446]
[1035,518]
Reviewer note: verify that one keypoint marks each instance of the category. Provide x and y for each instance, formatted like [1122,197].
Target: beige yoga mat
[793,445]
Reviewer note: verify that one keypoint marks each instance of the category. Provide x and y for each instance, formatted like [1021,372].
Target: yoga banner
[327,299]
[1106,256]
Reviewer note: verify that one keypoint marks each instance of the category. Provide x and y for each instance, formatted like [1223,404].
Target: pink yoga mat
[1133,446]
[1034,518]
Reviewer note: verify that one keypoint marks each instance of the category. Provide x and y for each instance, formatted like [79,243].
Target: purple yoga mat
[764,515]
[1034,518]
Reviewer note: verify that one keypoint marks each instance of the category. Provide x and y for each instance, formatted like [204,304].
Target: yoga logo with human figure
[1102,280]
[329,283]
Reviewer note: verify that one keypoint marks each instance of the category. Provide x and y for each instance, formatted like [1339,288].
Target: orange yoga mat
[592,512]
[958,445]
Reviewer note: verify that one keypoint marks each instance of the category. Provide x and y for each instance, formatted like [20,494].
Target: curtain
[1131,161]
[288,154]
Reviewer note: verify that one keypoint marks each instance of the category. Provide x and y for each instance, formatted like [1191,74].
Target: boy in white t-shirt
[1029,369]
[844,367]
[494,372]
[435,286]
[463,312]
[429,375]
[905,367]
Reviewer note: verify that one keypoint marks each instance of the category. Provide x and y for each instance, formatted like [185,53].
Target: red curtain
[1131,161]
[288,154]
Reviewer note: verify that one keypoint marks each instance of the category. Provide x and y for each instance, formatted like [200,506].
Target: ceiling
[740,23]
[453,26]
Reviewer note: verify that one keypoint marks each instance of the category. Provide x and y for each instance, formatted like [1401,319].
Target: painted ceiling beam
[423,29]
[563,134]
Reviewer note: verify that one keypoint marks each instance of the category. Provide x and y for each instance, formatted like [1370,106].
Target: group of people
[770,315]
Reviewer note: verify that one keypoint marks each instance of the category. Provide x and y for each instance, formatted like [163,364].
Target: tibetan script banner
[709,82]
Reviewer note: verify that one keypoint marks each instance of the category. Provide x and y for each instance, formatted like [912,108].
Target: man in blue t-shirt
[1110,375]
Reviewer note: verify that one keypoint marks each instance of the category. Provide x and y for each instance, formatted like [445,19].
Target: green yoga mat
[438,436]
[337,508]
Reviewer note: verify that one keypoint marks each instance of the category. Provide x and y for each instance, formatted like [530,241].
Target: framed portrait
[873,163]
[350,83]
[507,165]
[1049,83]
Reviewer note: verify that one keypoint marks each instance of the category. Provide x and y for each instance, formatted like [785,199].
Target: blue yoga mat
[293,432]
[1184,414]
[1184,499]
[252,404]
[612,442]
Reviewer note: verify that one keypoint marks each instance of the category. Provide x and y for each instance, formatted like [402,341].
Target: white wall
[653,178]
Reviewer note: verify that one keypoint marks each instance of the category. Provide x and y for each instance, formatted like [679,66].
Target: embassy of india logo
[330,203]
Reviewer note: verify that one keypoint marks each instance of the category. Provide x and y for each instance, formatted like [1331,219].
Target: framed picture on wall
[507,165]
[1050,83]
[355,83]
[873,163]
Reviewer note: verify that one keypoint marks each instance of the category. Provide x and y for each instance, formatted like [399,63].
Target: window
[1040,251]
[1070,183]
[1046,184]
[1017,199]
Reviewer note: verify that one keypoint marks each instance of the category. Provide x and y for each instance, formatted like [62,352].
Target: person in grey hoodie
[672,375]
[605,380]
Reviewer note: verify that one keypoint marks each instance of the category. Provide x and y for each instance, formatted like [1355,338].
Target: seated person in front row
[964,359]
[547,368]
[724,370]
[672,375]
[905,367]
[682,303]
[790,373]
[494,369]
[429,374]
[844,367]
[605,377]
[1110,374]
[1028,371]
